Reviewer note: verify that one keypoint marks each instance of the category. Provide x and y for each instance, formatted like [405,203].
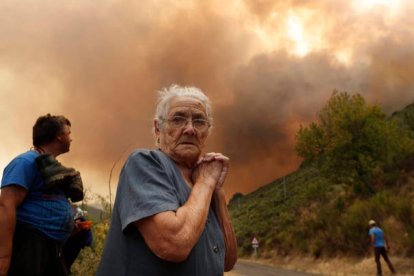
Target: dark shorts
[35,254]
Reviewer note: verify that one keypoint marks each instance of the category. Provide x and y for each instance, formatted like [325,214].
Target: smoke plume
[268,67]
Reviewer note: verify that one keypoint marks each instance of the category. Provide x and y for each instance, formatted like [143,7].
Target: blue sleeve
[145,188]
[19,171]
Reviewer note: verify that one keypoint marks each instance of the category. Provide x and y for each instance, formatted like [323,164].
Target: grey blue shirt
[151,183]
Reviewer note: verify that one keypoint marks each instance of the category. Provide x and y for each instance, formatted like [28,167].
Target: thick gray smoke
[268,66]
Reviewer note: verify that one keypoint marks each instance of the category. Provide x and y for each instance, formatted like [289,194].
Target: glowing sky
[268,67]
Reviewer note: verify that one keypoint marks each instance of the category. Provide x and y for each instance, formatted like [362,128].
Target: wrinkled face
[183,141]
[64,139]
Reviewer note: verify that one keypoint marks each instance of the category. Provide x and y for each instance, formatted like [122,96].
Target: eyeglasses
[180,122]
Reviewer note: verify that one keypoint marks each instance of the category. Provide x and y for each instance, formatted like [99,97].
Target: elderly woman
[170,215]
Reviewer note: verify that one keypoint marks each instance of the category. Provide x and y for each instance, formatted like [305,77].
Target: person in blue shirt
[380,243]
[35,212]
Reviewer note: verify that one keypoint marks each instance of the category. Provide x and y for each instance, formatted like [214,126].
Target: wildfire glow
[366,5]
[296,33]
[292,35]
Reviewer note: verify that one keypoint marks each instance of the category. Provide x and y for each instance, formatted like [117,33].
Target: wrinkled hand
[207,172]
[216,158]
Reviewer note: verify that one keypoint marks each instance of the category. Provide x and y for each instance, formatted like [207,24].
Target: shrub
[88,260]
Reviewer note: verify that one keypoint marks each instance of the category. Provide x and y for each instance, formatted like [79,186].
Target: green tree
[350,140]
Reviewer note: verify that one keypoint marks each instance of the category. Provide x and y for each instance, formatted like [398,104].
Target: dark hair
[46,128]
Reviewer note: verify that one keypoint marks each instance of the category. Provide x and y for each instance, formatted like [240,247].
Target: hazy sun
[296,33]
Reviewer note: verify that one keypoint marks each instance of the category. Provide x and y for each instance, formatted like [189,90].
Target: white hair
[167,94]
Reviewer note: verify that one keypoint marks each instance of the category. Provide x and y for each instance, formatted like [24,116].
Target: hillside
[271,212]
[405,116]
[304,213]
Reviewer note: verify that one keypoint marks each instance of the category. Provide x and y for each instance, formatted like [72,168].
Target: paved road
[247,268]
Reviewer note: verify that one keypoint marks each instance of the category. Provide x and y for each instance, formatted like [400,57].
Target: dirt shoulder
[339,266]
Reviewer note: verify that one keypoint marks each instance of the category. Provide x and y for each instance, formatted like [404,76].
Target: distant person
[80,238]
[35,213]
[170,215]
[380,243]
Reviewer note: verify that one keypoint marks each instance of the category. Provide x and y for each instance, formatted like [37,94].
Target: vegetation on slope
[358,165]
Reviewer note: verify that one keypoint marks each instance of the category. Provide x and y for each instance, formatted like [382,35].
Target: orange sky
[268,67]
